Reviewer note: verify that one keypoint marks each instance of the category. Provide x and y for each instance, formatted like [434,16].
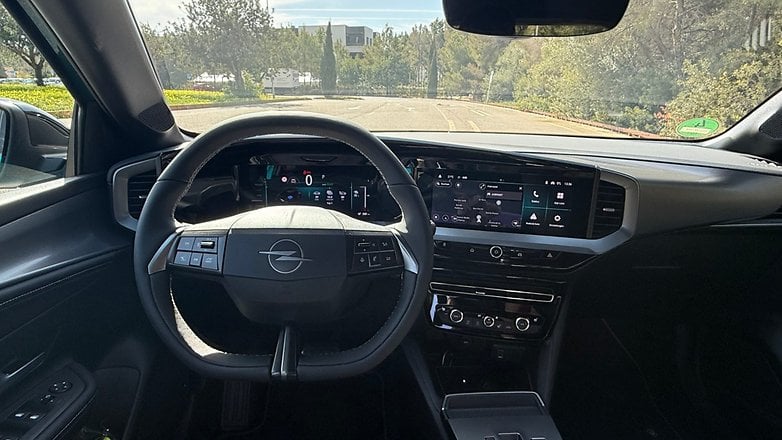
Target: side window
[35,111]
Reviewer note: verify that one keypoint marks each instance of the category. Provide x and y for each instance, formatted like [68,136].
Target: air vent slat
[139,187]
[609,209]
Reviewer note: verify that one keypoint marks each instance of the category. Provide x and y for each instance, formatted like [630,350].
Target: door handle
[9,378]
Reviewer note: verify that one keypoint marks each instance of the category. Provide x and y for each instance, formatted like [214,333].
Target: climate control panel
[492,312]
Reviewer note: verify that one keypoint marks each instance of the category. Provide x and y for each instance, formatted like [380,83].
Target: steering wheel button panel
[374,252]
[206,252]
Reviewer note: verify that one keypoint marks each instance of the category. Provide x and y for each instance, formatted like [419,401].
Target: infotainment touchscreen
[554,202]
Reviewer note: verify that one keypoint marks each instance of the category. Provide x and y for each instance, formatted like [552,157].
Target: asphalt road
[402,114]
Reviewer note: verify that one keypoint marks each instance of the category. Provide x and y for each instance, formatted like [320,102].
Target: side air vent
[139,187]
[609,210]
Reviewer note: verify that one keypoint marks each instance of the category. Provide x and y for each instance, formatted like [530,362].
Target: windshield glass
[680,69]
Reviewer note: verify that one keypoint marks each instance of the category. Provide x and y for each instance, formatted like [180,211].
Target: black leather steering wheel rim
[157,226]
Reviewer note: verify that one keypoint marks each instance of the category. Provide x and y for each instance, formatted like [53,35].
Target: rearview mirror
[538,18]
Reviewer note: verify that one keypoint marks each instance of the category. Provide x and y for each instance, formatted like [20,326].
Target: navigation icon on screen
[533,216]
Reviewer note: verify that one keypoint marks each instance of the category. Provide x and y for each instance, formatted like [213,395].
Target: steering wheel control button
[186,244]
[209,262]
[488,321]
[60,387]
[182,258]
[495,252]
[522,324]
[47,399]
[205,244]
[360,262]
[385,244]
[195,259]
[374,260]
[388,259]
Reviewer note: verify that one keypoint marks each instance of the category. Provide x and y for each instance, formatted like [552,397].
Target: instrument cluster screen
[349,189]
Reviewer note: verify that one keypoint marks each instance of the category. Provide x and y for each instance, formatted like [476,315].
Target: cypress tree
[328,65]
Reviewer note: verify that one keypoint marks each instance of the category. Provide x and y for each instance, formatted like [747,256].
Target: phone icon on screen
[535,194]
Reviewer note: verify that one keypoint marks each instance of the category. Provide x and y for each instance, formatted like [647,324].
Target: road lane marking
[479,113]
[354,108]
[451,125]
[474,126]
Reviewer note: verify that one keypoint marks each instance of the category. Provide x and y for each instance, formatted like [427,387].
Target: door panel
[66,297]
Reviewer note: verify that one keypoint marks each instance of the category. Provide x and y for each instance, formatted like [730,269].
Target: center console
[480,285]
[508,236]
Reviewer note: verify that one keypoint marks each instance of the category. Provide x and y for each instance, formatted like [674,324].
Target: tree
[174,63]
[434,71]
[15,40]
[385,62]
[467,61]
[228,36]
[328,65]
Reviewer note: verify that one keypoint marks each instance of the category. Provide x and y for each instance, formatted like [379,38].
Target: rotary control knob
[456,316]
[522,324]
[495,252]
[488,321]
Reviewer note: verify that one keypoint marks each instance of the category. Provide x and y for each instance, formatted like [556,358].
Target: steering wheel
[282,265]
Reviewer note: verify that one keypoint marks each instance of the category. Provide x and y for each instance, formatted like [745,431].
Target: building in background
[354,38]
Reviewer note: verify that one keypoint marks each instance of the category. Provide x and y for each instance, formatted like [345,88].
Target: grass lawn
[57,101]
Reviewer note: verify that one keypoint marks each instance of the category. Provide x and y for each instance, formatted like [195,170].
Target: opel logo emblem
[285,256]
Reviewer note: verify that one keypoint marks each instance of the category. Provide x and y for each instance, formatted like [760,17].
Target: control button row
[517,324]
[374,260]
[373,244]
[495,254]
[196,259]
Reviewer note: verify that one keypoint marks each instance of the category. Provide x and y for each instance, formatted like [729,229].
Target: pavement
[404,114]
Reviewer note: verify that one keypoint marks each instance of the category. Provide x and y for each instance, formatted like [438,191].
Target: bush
[53,99]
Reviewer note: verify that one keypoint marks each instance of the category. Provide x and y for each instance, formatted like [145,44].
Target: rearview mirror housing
[538,18]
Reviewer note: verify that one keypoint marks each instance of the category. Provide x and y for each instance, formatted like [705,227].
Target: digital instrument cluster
[350,189]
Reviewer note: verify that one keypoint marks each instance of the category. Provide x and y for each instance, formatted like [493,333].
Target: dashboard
[493,194]
[561,194]
[515,223]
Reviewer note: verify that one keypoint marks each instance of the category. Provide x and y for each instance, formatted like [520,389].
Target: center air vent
[609,210]
[139,187]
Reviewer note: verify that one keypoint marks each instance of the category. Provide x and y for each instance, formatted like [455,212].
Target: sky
[402,17]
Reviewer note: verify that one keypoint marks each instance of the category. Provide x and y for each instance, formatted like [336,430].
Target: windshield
[679,69]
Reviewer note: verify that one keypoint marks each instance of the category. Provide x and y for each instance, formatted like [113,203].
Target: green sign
[697,128]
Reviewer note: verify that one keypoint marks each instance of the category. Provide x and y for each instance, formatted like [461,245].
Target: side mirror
[534,18]
[33,145]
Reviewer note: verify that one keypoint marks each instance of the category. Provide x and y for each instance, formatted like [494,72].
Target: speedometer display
[349,189]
